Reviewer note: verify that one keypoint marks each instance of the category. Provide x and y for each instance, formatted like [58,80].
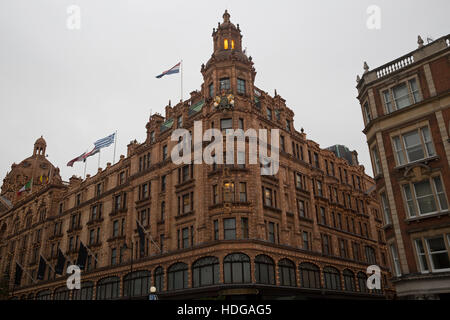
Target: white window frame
[395,259]
[430,254]
[437,200]
[420,255]
[384,204]
[403,148]
[390,90]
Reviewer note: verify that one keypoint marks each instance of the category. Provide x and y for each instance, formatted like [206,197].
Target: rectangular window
[305,240]
[319,189]
[425,197]
[113,256]
[211,90]
[228,191]
[413,146]
[367,112]
[438,254]
[226,124]
[186,203]
[229,228]
[386,208]
[269,113]
[423,263]
[323,218]
[396,260]
[164,152]
[225,84]
[115,228]
[215,195]
[316,160]
[271,232]
[185,238]
[243,192]
[301,208]
[376,161]
[267,194]
[241,86]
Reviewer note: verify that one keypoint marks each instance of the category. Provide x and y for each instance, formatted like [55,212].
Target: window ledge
[414,163]
[431,215]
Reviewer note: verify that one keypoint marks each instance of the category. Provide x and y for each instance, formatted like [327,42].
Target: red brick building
[405,105]
[309,231]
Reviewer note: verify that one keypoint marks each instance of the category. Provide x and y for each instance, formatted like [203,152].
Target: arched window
[85,293]
[236,268]
[159,279]
[136,284]
[108,288]
[61,293]
[232,44]
[332,278]
[309,275]
[264,270]
[205,272]
[177,275]
[362,282]
[286,272]
[349,280]
[44,295]
[225,44]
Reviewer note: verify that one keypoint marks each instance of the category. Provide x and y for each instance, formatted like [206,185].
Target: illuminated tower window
[225,44]
[232,44]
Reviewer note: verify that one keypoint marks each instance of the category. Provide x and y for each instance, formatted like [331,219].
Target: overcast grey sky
[76,86]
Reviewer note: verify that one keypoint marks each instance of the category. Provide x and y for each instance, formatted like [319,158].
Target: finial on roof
[366,67]
[302,130]
[275,93]
[358,78]
[226,16]
[420,41]
[170,103]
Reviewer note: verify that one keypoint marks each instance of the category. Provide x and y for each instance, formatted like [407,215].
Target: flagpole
[148,233]
[49,265]
[115,143]
[99,158]
[181,80]
[23,270]
[85,164]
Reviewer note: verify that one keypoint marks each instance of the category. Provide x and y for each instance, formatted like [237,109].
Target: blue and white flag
[105,142]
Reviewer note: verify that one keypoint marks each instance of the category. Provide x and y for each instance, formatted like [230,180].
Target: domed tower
[39,147]
[229,70]
[36,167]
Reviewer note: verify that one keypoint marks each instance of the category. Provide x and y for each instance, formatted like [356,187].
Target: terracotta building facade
[212,230]
[406,110]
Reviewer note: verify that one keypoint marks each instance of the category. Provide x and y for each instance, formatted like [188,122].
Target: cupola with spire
[228,62]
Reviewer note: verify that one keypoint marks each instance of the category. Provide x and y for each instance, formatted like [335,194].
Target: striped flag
[79,158]
[105,142]
[174,69]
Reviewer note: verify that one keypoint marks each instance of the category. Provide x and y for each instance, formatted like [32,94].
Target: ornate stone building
[218,230]
[405,104]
